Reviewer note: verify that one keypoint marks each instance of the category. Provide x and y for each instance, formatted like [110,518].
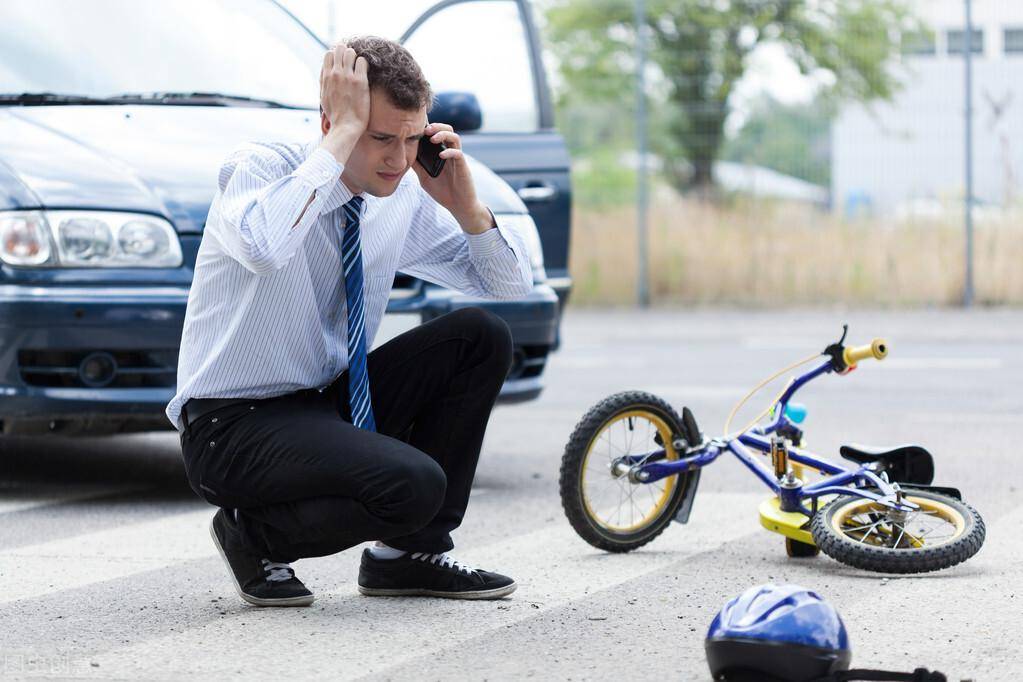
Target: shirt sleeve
[492,264]
[262,197]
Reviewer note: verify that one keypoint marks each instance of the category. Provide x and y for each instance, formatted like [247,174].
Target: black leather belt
[197,407]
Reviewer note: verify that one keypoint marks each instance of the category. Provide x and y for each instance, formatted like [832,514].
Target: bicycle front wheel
[604,506]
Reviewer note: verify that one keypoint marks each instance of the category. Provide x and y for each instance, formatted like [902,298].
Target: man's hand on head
[453,188]
[344,96]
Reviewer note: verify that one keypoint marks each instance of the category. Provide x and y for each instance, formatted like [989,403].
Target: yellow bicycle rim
[601,452]
[867,522]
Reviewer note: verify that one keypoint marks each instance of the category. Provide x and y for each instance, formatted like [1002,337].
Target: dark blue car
[114,119]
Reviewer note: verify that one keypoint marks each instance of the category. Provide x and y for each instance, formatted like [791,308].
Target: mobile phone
[428,156]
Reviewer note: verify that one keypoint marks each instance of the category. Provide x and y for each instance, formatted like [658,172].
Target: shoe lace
[276,571]
[443,560]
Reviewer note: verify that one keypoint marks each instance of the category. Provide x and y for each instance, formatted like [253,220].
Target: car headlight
[24,239]
[88,239]
[524,225]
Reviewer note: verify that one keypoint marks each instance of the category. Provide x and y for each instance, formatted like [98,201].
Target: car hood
[153,159]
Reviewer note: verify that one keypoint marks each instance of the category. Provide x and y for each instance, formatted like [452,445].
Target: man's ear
[324,122]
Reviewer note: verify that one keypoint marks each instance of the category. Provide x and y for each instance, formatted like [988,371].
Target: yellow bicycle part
[790,524]
[877,349]
[664,430]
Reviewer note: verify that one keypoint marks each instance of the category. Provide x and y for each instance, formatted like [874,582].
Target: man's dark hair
[393,70]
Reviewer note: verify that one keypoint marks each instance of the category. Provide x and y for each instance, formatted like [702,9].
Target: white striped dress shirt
[266,313]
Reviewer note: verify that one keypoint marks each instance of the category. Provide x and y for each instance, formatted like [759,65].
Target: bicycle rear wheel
[862,533]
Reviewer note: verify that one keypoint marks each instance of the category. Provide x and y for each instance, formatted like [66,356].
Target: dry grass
[769,253]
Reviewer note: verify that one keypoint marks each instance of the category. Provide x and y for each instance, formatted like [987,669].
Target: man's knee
[417,496]
[429,485]
[491,330]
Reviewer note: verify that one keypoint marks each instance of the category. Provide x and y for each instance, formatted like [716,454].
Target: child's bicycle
[633,465]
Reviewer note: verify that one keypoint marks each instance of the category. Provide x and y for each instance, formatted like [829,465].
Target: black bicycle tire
[574,456]
[888,560]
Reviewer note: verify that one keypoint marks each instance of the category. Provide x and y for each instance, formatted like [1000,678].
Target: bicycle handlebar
[843,359]
[877,349]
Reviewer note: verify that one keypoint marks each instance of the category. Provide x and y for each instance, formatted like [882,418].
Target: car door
[491,48]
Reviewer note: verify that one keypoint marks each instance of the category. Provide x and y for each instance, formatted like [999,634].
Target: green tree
[700,48]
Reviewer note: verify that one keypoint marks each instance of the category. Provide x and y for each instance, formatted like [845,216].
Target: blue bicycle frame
[861,482]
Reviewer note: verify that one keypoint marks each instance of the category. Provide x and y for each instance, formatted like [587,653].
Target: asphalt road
[107,570]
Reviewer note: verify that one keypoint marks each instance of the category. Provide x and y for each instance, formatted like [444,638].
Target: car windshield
[104,48]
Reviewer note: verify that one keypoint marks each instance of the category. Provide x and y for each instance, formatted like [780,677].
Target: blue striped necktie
[358,376]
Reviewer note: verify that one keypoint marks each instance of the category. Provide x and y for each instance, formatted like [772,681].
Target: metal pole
[968,51]
[642,288]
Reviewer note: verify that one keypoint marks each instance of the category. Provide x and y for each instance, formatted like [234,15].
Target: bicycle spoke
[610,441]
[902,532]
[872,529]
[632,502]
[923,534]
[913,537]
[621,496]
[624,495]
[607,436]
[608,486]
[653,499]
[605,505]
[607,499]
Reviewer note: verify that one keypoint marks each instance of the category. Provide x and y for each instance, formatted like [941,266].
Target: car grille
[99,368]
[528,361]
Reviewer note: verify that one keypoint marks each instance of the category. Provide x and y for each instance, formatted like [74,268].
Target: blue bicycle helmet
[777,632]
[786,633]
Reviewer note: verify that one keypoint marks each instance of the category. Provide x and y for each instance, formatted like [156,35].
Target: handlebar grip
[878,349]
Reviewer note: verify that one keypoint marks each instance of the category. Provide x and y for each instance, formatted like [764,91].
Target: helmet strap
[918,675]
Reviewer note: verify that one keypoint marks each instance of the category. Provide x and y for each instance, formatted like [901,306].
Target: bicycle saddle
[904,463]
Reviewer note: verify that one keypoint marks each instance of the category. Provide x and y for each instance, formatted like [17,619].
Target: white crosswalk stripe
[68,563]
[17,500]
[360,636]
[552,565]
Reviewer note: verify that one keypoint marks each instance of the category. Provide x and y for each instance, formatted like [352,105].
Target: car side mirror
[460,110]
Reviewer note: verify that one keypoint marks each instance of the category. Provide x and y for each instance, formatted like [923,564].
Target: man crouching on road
[307,443]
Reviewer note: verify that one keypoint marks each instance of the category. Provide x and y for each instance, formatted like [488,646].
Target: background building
[907,156]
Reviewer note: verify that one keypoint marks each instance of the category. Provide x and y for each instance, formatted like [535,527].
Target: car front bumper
[103,359]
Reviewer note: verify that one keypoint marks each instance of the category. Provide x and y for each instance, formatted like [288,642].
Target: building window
[919,44]
[1013,41]
[957,41]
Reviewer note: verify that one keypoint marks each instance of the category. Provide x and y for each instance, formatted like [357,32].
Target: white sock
[382,551]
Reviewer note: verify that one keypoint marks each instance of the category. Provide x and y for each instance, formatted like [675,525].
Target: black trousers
[308,483]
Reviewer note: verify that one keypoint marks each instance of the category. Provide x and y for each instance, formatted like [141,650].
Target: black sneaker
[260,582]
[429,575]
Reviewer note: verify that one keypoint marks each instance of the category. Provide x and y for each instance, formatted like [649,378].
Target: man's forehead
[387,119]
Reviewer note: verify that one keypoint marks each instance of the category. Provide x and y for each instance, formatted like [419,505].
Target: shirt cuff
[488,243]
[321,170]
